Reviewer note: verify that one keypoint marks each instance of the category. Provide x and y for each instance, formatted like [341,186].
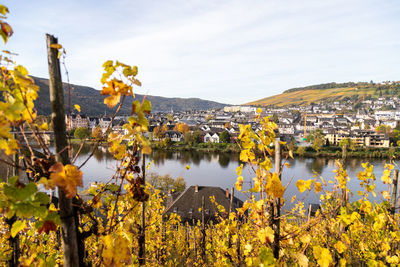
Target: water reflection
[159,157]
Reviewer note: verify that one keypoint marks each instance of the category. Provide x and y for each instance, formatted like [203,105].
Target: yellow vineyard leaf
[318,187]
[303,185]
[56,46]
[9,146]
[266,235]
[112,100]
[66,177]
[77,107]
[340,247]
[44,126]
[274,186]
[239,183]
[323,256]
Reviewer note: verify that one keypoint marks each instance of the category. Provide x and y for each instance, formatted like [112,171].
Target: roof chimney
[227,193]
[196,188]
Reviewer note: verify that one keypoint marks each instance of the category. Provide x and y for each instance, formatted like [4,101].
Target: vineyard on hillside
[122,222]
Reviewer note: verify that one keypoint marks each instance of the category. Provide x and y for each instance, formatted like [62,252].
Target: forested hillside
[91,101]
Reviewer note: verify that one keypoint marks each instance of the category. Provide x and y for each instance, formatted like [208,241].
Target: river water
[218,169]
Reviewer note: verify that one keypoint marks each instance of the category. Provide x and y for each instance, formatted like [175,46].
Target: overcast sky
[227,51]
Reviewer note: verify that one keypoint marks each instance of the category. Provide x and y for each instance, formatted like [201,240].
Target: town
[372,123]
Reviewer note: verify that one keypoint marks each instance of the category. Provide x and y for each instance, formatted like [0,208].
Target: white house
[211,137]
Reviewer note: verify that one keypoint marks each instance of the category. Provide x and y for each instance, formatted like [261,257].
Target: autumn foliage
[342,232]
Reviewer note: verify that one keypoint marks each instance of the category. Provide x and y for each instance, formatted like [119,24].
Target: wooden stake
[394,191]
[277,202]
[68,226]
[203,231]
[142,237]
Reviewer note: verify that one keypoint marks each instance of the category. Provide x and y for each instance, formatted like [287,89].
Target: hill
[329,92]
[91,101]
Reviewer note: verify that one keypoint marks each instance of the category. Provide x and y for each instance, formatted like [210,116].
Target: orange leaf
[112,100]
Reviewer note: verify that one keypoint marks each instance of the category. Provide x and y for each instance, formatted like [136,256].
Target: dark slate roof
[187,205]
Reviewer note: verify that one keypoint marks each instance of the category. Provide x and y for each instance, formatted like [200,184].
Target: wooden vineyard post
[394,191]
[68,226]
[142,235]
[14,241]
[203,231]
[277,202]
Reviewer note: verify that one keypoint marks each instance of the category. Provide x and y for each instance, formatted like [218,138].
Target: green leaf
[42,198]
[26,192]
[24,209]
[9,191]
[146,106]
[40,212]
[135,106]
[113,187]
[12,180]
[17,227]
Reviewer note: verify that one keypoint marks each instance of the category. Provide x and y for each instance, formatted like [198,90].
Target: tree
[193,138]
[316,137]
[181,127]
[224,137]
[97,133]
[166,183]
[347,143]
[158,132]
[81,133]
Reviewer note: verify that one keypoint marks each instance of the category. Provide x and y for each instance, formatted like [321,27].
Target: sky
[232,52]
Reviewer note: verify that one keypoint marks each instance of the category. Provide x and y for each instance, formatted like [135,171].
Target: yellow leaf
[302,260]
[274,186]
[56,46]
[340,247]
[9,146]
[66,177]
[187,167]
[243,156]
[17,227]
[300,186]
[266,235]
[323,256]
[386,195]
[77,107]
[112,100]
[44,126]
[318,187]
[293,199]
[239,170]
[239,183]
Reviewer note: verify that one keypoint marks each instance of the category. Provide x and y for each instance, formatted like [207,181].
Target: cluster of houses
[293,122]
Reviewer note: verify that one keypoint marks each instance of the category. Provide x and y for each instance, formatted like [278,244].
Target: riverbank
[201,147]
[336,152]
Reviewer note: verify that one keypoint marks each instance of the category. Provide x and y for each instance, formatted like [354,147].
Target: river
[218,169]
